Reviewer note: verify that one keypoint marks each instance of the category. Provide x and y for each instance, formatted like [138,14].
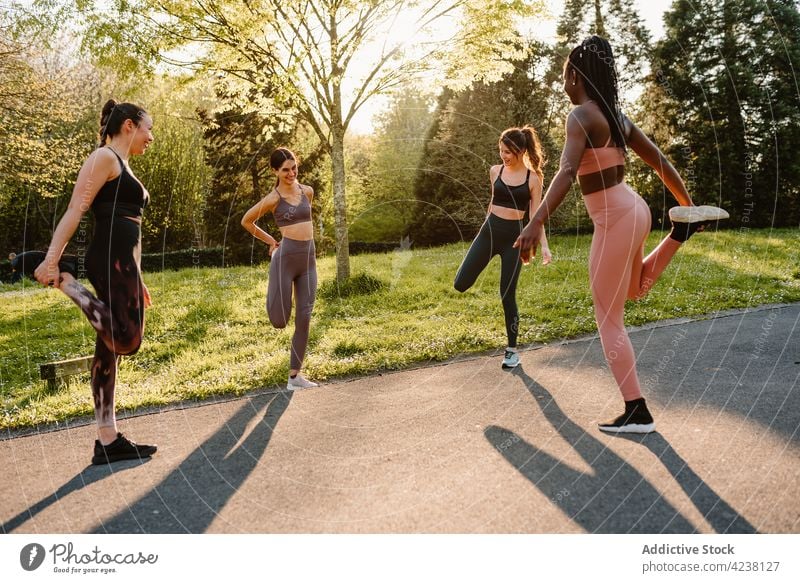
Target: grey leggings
[496,237]
[293,264]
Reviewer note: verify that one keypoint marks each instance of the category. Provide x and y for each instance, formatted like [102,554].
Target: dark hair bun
[108,108]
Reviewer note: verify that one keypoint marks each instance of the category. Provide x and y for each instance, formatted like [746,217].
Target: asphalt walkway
[457,447]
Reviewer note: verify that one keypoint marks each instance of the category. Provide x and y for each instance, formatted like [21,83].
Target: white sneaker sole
[291,387]
[697,214]
[630,428]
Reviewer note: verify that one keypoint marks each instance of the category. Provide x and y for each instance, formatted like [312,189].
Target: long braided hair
[593,60]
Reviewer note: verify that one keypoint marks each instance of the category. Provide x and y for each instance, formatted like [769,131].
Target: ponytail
[533,151]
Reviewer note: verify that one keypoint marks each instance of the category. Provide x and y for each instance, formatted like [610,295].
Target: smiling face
[287,173]
[508,157]
[141,134]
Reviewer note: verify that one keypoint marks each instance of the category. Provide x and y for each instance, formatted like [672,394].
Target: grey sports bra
[287,214]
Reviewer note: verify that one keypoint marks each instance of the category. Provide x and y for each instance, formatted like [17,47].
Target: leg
[117,313]
[476,259]
[645,273]
[104,377]
[616,247]
[305,288]
[509,274]
[279,290]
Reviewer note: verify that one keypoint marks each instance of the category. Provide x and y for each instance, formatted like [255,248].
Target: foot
[120,449]
[688,220]
[511,359]
[635,419]
[299,382]
[697,214]
[27,262]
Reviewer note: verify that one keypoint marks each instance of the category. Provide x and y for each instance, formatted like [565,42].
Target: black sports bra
[121,196]
[513,197]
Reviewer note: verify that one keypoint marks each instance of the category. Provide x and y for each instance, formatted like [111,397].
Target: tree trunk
[340,204]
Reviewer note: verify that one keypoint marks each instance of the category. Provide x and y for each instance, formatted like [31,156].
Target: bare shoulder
[307,190]
[103,162]
[494,171]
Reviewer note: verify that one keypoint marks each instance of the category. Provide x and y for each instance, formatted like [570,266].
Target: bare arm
[654,158]
[494,171]
[99,167]
[559,187]
[535,187]
[262,207]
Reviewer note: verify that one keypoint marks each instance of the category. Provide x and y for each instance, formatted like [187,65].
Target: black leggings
[496,237]
[117,311]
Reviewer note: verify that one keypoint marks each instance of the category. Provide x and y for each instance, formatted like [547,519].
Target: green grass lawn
[208,333]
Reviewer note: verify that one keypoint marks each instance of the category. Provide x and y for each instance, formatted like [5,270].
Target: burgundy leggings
[617,272]
[117,311]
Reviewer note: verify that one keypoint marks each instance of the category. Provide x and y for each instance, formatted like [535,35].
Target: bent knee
[461,286]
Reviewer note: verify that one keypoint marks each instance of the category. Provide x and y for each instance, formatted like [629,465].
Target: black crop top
[513,197]
[123,195]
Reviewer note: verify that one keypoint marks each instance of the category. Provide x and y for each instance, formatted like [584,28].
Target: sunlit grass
[208,333]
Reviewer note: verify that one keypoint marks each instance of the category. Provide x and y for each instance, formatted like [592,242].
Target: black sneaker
[120,449]
[27,262]
[635,419]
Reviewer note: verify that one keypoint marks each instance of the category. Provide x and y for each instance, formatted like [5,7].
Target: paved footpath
[457,447]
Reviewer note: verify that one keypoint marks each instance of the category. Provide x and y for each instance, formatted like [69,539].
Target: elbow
[569,172]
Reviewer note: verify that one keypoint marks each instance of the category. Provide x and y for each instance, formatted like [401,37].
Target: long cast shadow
[613,498]
[720,515]
[86,477]
[194,494]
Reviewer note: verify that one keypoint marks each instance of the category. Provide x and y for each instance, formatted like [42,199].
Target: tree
[237,147]
[723,98]
[308,50]
[452,186]
[394,155]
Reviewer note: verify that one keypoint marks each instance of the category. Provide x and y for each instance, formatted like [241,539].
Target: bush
[210,257]
[356,285]
[357,247]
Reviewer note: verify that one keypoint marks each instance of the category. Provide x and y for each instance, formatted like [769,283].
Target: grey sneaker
[511,359]
[299,382]
[697,214]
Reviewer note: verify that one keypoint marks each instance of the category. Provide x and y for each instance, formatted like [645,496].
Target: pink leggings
[618,272]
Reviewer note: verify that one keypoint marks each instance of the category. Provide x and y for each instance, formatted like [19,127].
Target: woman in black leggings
[293,265]
[516,189]
[107,186]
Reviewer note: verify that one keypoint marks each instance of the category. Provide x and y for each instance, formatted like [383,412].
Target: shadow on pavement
[613,498]
[86,477]
[191,497]
[720,515]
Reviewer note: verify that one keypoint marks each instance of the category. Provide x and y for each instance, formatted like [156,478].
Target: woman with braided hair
[521,153]
[107,185]
[597,137]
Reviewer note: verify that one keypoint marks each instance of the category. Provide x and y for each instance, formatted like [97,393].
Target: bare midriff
[601,180]
[299,231]
[506,213]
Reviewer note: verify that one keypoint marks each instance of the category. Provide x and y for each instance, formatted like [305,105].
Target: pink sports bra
[598,159]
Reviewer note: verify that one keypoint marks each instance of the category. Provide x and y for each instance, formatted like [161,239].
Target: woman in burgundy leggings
[106,185]
[597,137]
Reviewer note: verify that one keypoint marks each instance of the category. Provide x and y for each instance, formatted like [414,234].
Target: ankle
[107,434]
